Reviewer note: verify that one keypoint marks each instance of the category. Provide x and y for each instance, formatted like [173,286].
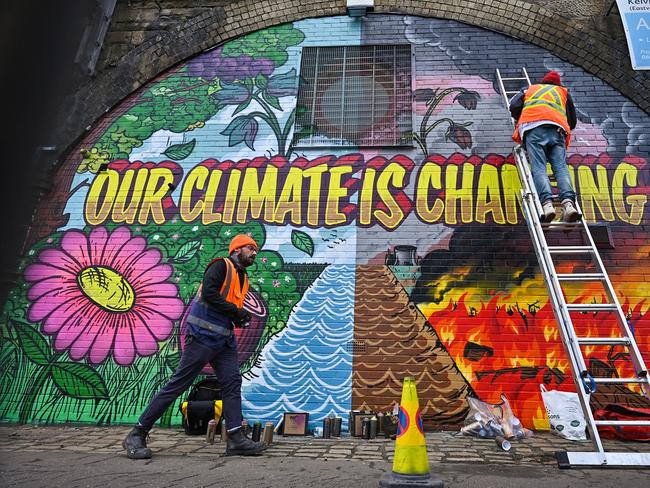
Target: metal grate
[354,95]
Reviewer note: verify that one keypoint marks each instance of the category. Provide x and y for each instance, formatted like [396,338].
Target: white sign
[636,22]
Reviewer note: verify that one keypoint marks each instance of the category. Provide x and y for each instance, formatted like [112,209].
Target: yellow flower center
[106,288]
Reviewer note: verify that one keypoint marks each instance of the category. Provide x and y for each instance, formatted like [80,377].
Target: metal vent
[354,96]
[356,346]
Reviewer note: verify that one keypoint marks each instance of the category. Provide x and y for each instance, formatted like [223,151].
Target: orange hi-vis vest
[201,315]
[231,290]
[544,102]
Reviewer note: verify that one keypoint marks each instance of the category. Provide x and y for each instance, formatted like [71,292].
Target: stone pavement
[93,456]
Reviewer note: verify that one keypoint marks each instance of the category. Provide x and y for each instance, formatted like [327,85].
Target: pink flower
[102,294]
[264,260]
[276,284]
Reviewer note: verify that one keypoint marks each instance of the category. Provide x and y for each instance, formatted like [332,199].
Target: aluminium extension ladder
[584,381]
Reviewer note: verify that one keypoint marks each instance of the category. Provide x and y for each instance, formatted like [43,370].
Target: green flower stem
[30,398]
[272,120]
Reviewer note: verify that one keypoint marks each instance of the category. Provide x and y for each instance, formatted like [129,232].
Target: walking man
[210,339]
[545,116]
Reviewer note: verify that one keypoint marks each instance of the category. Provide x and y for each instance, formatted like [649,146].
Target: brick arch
[572,39]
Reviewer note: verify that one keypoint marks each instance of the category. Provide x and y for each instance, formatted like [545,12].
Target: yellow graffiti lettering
[627,173]
[210,215]
[315,176]
[333,216]
[290,198]
[258,197]
[128,214]
[194,180]
[430,177]
[157,188]
[103,188]
[488,196]
[232,192]
[454,194]
[394,175]
[511,185]
[592,193]
[367,193]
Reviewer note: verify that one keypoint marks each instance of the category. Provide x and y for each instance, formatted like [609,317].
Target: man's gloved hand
[243,318]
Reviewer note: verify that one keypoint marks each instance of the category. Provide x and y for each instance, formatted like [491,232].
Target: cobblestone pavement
[442,447]
[68,456]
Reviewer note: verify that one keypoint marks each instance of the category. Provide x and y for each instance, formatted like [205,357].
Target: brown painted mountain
[392,339]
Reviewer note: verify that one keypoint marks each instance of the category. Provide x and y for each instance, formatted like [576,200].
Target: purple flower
[211,65]
[468,99]
[459,135]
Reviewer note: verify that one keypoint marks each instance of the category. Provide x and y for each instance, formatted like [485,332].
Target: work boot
[549,211]
[569,212]
[136,443]
[240,445]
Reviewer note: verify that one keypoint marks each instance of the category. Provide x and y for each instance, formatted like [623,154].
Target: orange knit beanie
[241,240]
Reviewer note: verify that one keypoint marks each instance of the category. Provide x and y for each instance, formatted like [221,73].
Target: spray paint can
[244,427]
[380,423]
[212,430]
[336,429]
[365,428]
[257,431]
[224,431]
[268,433]
[503,443]
[327,428]
[373,427]
[470,429]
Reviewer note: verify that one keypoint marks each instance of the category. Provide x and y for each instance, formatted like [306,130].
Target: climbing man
[545,116]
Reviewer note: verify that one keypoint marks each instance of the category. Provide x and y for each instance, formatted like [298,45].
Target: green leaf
[272,100]
[79,381]
[302,241]
[242,106]
[32,343]
[180,151]
[186,252]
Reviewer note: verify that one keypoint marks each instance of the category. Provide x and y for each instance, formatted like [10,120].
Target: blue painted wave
[308,367]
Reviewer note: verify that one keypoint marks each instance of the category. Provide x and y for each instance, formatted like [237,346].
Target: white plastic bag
[564,414]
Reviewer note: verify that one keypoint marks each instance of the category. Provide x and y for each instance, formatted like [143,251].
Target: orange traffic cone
[411,463]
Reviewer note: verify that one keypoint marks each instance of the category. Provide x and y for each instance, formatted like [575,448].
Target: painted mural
[375,262]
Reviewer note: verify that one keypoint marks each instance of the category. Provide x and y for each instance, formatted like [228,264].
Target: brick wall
[442,284]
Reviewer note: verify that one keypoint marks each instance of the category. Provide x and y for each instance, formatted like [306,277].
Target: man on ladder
[545,116]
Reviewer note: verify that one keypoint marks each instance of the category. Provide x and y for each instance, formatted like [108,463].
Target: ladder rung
[569,249]
[562,225]
[580,276]
[591,307]
[603,341]
[514,79]
[617,381]
[622,422]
